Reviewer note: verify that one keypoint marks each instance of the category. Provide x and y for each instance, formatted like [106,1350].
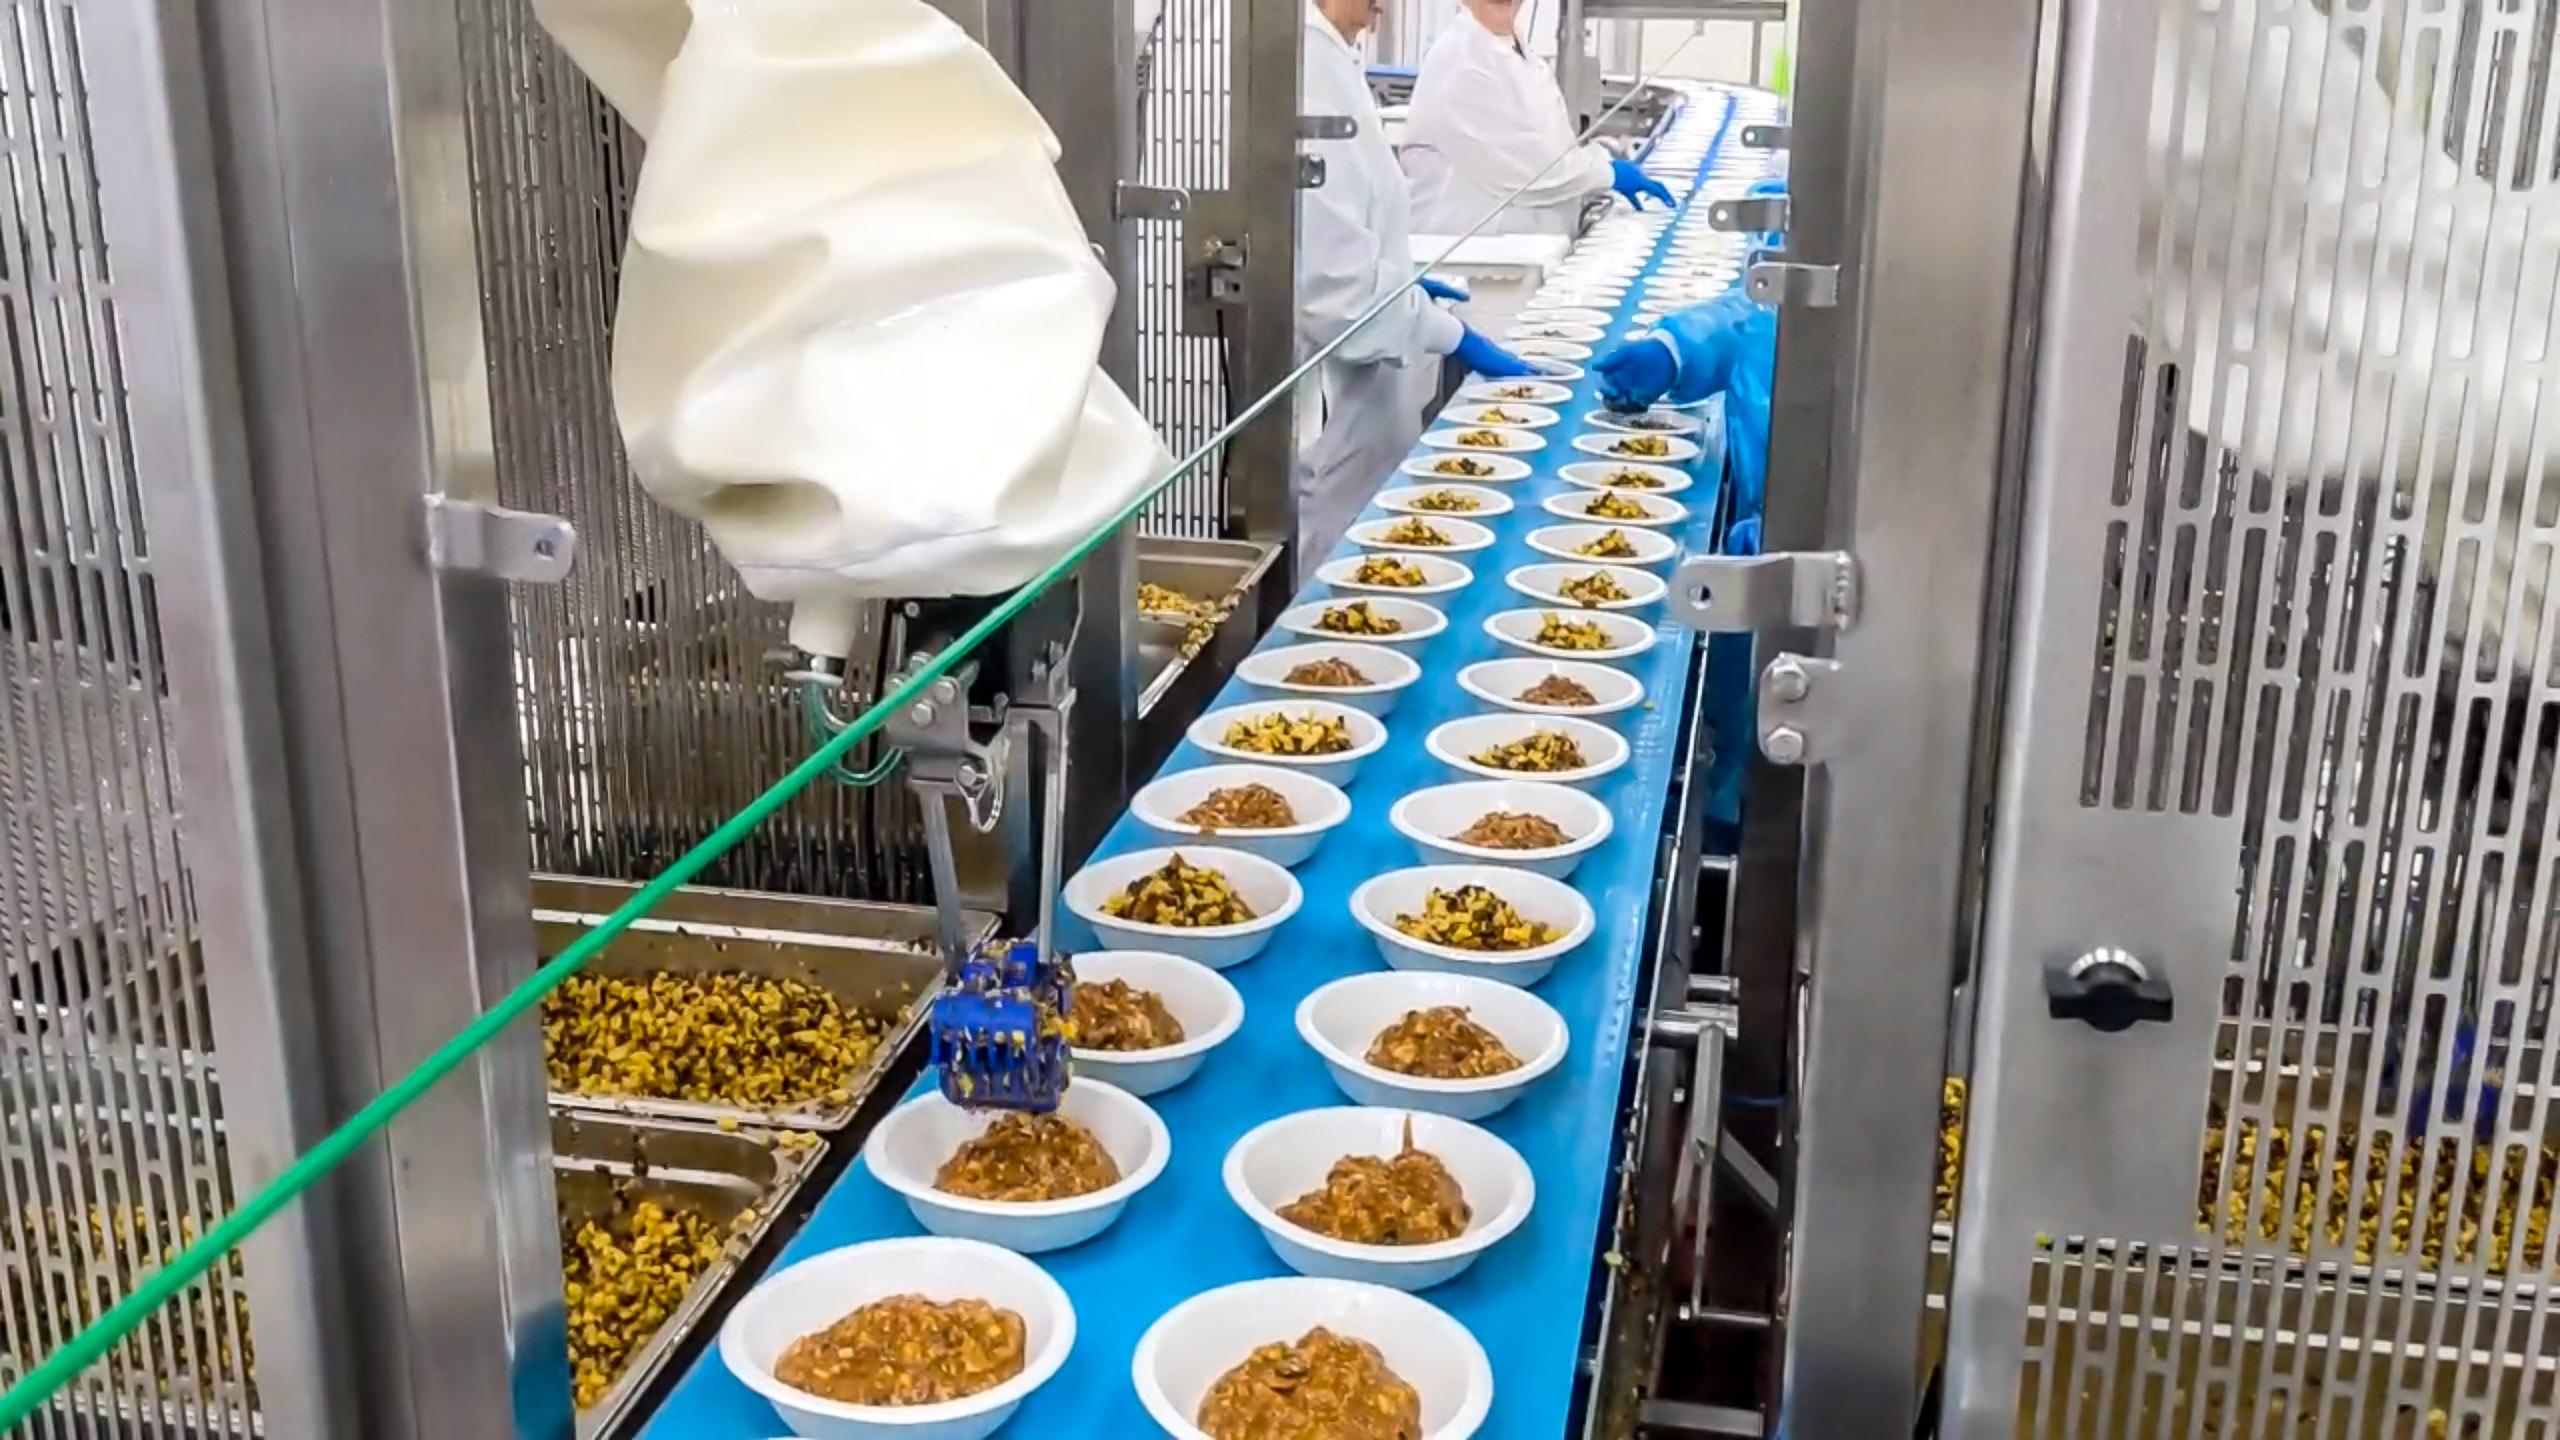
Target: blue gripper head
[999,1035]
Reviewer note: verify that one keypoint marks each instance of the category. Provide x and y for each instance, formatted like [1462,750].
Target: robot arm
[850,251]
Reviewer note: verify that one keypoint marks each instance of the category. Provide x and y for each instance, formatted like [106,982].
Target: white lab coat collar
[1318,24]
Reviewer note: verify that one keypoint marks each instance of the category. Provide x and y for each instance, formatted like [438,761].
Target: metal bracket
[474,539]
[945,762]
[1737,594]
[1764,137]
[1149,202]
[1310,172]
[1794,720]
[1784,282]
[1327,127]
[1751,215]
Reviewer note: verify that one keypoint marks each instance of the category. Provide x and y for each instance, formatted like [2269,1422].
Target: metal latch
[475,539]
[1751,215]
[1327,127]
[1764,137]
[1222,272]
[1310,172]
[1783,282]
[1150,202]
[1730,594]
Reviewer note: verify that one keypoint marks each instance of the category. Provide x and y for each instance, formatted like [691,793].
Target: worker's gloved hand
[1442,290]
[1638,372]
[1632,184]
[1744,537]
[1490,360]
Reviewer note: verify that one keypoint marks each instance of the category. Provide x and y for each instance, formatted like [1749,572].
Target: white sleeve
[1342,271]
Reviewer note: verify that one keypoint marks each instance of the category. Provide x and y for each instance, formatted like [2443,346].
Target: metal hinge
[468,538]
[1751,215]
[1764,137]
[1327,127]
[1728,594]
[1784,282]
[1149,202]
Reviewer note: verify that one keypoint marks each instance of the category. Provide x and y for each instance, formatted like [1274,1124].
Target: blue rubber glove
[1743,538]
[1635,373]
[1490,360]
[1442,289]
[1632,184]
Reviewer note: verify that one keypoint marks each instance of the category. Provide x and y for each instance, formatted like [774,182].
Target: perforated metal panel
[109,1159]
[2282,730]
[1186,63]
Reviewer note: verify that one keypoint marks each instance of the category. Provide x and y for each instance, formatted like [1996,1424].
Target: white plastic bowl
[1556,367]
[1368,735]
[1522,417]
[1498,392]
[1568,334]
[1455,743]
[1595,294]
[1440,575]
[1208,1007]
[1420,621]
[1465,536]
[1594,475]
[1505,469]
[1564,315]
[911,1142]
[1659,422]
[1429,817]
[1629,636]
[1682,448]
[1552,350]
[1391,672]
[1405,500]
[1279,1160]
[1565,542]
[1319,804]
[1378,901]
[1269,890]
[1644,590]
[1514,441]
[1575,505]
[1204,1337]
[1340,1021]
[807,1297]
[1499,683]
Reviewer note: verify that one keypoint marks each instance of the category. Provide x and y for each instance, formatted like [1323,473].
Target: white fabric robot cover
[859,317]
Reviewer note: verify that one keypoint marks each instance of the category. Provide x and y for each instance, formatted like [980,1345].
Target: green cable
[193,1263]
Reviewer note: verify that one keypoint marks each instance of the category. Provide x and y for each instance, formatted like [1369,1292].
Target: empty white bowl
[1368,735]
[1440,575]
[1514,441]
[1465,536]
[1431,817]
[911,1142]
[1544,582]
[1390,672]
[1340,1021]
[1500,683]
[1651,422]
[1568,333]
[1598,475]
[1280,1160]
[1504,469]
[1677,449]
[1524,392]
[1508,413]
[1410,500]
[1378,901]
[1565,542]
[1420,621]
[1628,635]
[1319,805]
[1204,1337]
[1208,1007]
[1552,349]
[1269,890]
[1456,743]
[1576,505]
[807,1297]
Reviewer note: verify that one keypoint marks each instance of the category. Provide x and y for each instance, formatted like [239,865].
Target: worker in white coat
[1486,117]
[1355,244]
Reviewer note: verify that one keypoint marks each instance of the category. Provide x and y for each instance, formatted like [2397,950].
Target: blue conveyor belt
[1529,1298]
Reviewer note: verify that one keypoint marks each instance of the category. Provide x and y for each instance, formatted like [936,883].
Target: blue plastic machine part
[1000,1031]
